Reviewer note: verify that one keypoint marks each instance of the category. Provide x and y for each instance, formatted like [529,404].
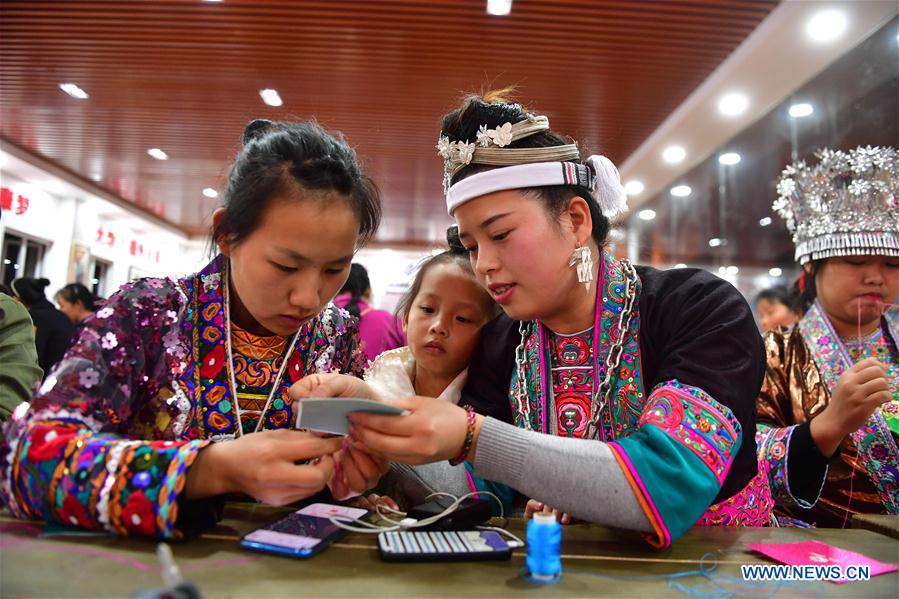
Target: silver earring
[582,259]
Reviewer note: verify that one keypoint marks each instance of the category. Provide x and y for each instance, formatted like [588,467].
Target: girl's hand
[373,501]
[332,385]
[433,431]
[265,466]
[533,506]
[355,471]
[860,390]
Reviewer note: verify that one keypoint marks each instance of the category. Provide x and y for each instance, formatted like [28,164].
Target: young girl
[620,395]
[123,434]
[829,406]
[443,313]
[775,307]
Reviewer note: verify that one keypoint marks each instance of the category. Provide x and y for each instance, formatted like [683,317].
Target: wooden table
[102,566]
[885,525]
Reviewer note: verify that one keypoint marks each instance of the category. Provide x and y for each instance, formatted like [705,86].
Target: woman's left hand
[355,471]
[433,431]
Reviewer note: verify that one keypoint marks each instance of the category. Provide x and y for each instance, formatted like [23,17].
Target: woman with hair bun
[52,329]
[176,391]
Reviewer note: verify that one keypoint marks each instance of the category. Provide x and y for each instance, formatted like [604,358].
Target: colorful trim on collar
[876,447]
[621,416]
[208,378]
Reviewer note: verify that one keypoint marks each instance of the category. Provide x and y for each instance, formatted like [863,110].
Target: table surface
[36,564]
[886,525]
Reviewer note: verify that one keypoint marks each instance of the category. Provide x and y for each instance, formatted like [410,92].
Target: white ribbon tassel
[607,190]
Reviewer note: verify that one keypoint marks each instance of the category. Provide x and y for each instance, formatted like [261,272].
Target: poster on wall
[79,264]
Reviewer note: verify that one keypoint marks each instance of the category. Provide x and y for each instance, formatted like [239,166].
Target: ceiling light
[733,104]
[271,97]
[681,191]
[74,91]
[715,242]
[674,154]
[647,214]
[729,159]
[764,222]
[499,8]
[775,272]
[797,111]
[633,188]
[826,25]
[210,193]
[732,270]
[680,265]
[157,154]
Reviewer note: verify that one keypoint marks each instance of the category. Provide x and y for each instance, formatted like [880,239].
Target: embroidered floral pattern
[135,373]
[696,421]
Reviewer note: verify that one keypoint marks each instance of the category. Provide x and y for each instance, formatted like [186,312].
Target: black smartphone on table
[303,533]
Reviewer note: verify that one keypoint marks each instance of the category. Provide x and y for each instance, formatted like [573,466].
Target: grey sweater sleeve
[576,476]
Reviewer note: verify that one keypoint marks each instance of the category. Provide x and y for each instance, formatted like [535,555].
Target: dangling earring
[582,258]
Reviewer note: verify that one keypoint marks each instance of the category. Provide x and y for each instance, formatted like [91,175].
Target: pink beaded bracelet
[469,438]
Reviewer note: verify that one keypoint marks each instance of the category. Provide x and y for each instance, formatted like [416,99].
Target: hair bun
[42,282]
[454,241]
[256,128]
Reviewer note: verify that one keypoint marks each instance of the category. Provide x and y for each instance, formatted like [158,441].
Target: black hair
[77,293]
[778,294]
[457,255]
[30,290]
[804,290]
[356,285]
[288,160]
[493,110]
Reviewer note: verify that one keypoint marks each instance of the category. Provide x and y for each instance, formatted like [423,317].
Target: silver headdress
[845,205]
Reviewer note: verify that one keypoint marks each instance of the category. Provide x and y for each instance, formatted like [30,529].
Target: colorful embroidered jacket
[109,437]
[682,400]
[803,368]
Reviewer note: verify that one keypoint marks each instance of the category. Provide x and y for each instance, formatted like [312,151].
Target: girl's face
[445,319]
[854,289]
[518,254]
[773,314]
[294,262]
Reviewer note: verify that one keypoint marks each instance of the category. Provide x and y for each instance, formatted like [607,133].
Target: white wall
[61,219]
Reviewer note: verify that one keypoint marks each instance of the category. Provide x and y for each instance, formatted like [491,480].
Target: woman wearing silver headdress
[829,406]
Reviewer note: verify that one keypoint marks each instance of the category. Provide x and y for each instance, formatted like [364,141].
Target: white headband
[601,178]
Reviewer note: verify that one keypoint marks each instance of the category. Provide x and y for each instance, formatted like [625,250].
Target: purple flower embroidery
[88,378]
[109,341]
[105,313]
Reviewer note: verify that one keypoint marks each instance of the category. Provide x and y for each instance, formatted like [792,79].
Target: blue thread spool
[544,562]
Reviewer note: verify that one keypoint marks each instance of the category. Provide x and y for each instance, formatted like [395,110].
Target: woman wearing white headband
[619,395]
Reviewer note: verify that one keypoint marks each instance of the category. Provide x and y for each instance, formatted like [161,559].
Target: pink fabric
[816,553]
[379,329]
[752,506]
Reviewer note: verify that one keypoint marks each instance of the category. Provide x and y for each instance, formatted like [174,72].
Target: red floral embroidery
[73,513]
[48,442]
[213,363]
[138,516]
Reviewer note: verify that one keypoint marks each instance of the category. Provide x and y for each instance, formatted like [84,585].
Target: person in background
[776,308]
[52,329]
[828,410]
[18,356]
[380,330]
[77,302]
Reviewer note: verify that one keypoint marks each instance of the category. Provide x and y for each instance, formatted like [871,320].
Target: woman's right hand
[332,385]
[264,466]
[860,390]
